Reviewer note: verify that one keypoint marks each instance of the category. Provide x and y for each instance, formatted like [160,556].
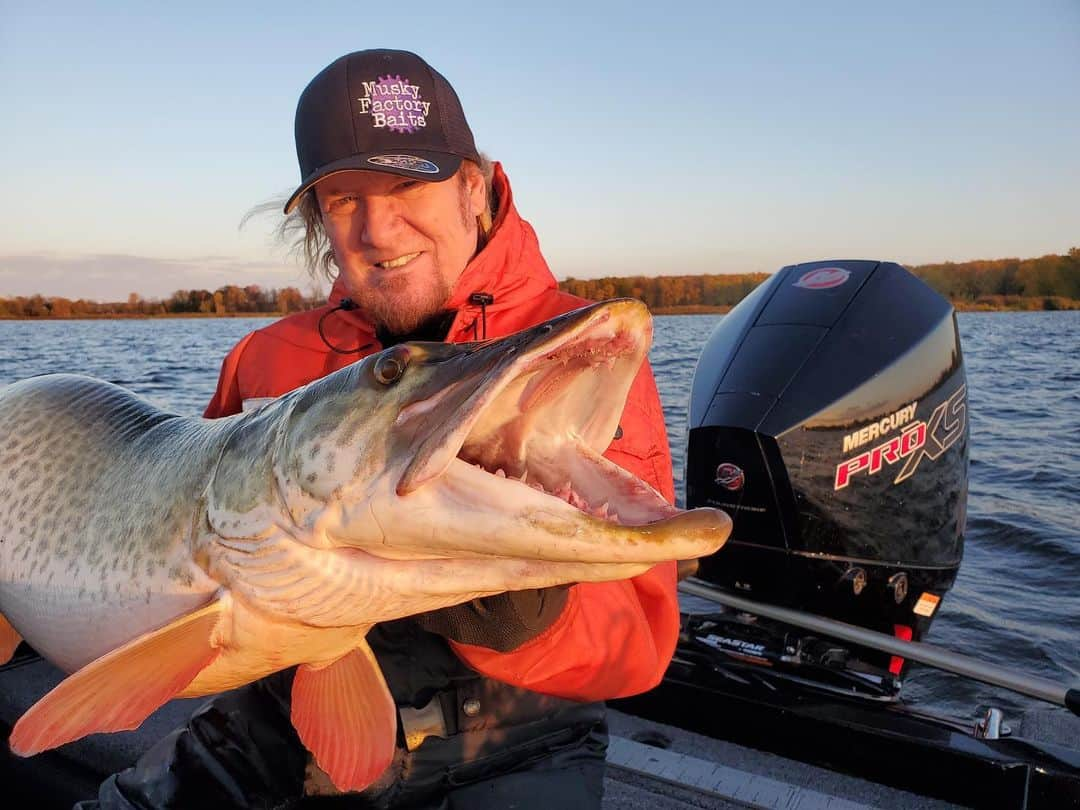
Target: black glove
[238,751]
[502,622]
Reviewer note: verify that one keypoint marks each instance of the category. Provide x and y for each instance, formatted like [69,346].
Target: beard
[399,304]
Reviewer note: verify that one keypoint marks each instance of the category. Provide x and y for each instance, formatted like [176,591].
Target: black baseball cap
[383,111]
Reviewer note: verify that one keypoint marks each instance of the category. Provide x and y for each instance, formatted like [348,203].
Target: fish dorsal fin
[346,718]
[119,690]
[9,640]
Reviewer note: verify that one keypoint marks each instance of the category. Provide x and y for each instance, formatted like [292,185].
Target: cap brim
[431,167]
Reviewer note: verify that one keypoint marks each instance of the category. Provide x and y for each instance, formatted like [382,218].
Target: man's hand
[502,622]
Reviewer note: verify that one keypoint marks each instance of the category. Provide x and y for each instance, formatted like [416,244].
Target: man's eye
[341,204]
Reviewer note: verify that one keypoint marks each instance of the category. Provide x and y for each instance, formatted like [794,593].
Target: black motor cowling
[828,417]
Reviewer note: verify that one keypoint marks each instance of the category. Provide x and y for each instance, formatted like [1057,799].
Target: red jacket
[612,639]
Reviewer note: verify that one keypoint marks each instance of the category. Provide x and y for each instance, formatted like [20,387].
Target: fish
[154,556]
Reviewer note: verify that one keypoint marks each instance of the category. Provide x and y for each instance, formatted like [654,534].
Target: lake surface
[1016,601]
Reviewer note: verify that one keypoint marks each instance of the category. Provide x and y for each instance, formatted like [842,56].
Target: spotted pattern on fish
[96,444]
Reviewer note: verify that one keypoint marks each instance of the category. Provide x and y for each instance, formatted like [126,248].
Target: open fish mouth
[530,436]
[548,425]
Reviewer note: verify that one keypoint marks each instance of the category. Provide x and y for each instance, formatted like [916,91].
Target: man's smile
[400,261]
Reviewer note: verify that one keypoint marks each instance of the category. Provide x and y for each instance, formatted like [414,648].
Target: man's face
[399,243]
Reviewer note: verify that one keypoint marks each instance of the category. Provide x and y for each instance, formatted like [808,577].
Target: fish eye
[391,365]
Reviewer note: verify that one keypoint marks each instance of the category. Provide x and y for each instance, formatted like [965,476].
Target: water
[1016,600]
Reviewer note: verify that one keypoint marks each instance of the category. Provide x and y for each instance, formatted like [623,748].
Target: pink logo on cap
[395,104]
[823,278]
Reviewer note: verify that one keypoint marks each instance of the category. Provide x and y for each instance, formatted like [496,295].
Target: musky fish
[158,556]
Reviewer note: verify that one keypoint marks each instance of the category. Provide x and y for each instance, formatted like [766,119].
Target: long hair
[302,229]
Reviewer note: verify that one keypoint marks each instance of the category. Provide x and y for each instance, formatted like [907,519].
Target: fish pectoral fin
[117,691]
[9,640]
[346,718]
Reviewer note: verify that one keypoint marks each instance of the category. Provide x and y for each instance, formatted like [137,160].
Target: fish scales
[105,446]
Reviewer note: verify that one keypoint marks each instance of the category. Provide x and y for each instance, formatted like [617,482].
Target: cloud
[113,276]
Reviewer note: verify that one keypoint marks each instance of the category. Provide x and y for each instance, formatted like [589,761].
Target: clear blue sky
[667,138]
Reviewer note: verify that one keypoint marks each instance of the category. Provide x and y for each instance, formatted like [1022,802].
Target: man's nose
[379,221]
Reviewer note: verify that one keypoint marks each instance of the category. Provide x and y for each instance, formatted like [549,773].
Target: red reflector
[896,663]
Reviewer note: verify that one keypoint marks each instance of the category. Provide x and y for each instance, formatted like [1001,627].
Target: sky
[671,138]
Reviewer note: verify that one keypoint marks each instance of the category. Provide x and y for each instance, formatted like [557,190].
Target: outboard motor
[828,417]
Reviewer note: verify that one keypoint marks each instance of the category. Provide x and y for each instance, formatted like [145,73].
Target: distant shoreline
[1026,305]
[156,317]
[1045,283]
[1057,305]
[124,316]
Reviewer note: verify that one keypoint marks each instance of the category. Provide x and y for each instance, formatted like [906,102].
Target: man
[428,245]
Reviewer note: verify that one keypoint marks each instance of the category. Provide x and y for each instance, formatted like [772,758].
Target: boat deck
[653,765]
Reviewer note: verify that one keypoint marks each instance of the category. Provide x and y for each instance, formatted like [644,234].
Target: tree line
[669,292]
[1046,282]
[227,300]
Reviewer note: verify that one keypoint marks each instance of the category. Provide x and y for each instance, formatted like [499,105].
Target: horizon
[724,139]
[317,289]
